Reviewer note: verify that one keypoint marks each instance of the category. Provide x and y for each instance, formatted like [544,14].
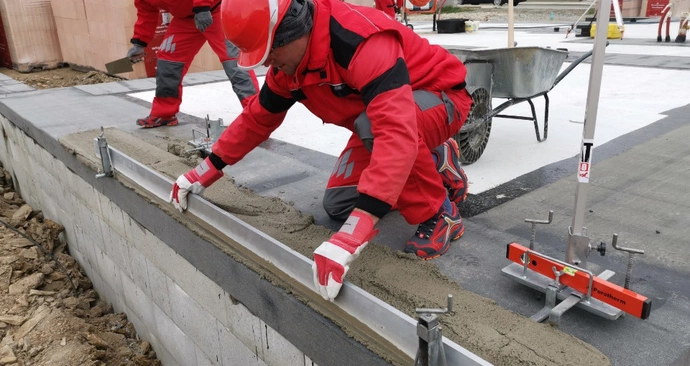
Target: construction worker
[355,67]
[194,22]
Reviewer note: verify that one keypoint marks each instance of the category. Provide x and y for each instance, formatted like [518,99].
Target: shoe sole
[445,248]
[158,125]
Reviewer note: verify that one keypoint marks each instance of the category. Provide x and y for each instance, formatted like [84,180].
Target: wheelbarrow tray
[518,72]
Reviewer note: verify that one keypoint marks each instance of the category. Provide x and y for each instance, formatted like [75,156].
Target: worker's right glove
[332,258]
[194,181]
[202,18]
[136,53]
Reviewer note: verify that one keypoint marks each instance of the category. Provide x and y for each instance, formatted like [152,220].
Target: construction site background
[44,34]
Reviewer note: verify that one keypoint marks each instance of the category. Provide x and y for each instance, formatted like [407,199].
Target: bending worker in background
[354,67]
[194,22]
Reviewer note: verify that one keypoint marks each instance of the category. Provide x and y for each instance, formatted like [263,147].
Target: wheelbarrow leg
[536,121]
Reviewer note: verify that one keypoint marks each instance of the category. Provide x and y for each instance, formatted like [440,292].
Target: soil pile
[59,78]
[49,311]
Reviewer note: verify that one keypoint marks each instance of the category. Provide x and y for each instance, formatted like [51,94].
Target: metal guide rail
[383,319]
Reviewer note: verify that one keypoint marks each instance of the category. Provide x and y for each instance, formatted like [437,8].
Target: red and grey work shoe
[433,236]
[447,157]
[152,121]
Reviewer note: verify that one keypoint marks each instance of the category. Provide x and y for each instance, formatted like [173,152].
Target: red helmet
[251,26]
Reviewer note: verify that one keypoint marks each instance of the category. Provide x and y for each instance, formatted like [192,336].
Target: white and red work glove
[332,258]
[194,181]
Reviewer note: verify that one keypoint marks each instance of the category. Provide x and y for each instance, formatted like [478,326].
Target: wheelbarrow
[518,74]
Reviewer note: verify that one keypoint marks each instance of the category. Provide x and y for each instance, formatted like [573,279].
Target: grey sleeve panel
[426,100]
[363,130]
[168,78]
[242,83]
[340,201]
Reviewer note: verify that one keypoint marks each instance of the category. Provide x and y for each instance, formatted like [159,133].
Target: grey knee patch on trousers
[241,81]
[363,130]
[340,201]
[168,78]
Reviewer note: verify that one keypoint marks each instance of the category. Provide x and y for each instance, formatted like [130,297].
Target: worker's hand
[136,53]
[203,20]
[194,181]
[332,259]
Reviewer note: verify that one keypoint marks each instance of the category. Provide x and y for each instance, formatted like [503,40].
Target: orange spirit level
[605,291]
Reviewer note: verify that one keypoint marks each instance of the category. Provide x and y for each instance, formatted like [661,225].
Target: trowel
[119,66]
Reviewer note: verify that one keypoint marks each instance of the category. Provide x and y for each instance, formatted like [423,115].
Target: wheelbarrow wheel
[473,142]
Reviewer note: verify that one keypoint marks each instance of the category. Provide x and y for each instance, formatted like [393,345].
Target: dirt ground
[51,314]
[58,78]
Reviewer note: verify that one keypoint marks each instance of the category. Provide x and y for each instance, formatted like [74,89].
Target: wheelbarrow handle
[572,66]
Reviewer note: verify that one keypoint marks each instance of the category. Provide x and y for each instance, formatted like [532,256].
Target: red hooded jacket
[340,77]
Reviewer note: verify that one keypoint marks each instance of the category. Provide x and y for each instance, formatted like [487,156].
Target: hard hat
[251,26]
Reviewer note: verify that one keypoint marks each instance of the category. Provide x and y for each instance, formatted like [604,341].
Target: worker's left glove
[202,17]
[332,259]
[194,181]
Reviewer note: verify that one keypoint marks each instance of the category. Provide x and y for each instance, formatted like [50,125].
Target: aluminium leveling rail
[390,323]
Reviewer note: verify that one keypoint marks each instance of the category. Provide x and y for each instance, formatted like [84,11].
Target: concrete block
[16,88]
[117,248]
[234,352]
[86,194]
[172,339]
[204,291]
[50,208]
[43,158]
[103,89]
[140,325]
[194,321]
[202,359]
[84,246]
[136,299]
[88,222]
[139,237]
[158,283]
[140,84]
[68,203]
[112,215]
[69,236]
[139,273]
[278,351]
[112,276]
[164,356]
[245,326]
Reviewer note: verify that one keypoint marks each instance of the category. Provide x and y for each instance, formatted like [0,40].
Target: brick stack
[29,29]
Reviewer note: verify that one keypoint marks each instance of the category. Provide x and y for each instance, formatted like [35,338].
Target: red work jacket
[148,13]
[337,80]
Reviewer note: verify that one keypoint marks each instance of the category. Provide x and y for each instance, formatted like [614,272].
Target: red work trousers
[177,51]
[423,192]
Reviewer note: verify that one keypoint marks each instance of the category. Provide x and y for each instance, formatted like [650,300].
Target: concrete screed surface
[638,189]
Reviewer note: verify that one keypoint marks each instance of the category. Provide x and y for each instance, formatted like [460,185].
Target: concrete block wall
[187,317]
